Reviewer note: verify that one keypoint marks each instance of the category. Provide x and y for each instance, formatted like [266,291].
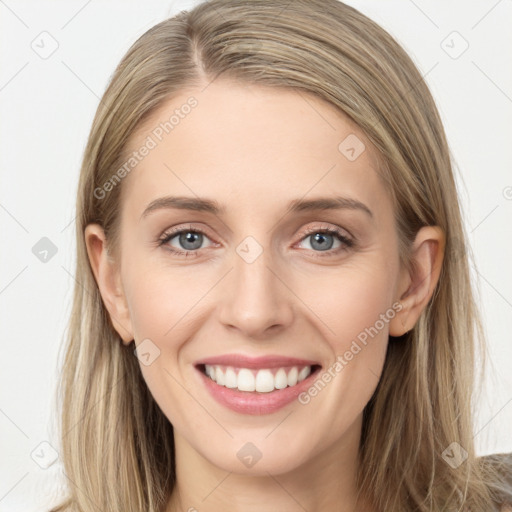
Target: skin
[254,149]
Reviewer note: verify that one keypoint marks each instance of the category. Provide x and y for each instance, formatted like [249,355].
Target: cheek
[164,304]
[348,301]
[354,311]
[159,301]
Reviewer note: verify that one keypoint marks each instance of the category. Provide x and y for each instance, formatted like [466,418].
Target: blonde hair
[117,446]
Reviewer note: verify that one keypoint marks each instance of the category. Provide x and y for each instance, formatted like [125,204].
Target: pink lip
[241,361]
[255,403]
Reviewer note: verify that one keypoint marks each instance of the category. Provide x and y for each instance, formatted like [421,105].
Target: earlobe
[107,275]
[419,286]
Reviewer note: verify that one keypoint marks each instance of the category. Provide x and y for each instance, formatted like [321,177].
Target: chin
[259,457]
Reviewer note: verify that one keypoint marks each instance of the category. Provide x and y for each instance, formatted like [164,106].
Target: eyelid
[332,228]
[171,232]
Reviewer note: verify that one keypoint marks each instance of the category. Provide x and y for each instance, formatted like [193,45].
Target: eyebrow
[211,206]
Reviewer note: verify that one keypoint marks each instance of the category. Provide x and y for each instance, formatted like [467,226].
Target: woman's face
[259,277]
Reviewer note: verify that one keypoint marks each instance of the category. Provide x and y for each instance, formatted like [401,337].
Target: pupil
[189,238]
[321,237]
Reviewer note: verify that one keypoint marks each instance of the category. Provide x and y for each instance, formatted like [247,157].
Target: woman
[273,307]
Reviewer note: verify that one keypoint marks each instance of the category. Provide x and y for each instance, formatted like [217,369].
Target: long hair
[117,445]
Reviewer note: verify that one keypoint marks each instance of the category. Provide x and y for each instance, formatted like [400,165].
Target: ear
[107,275]
[416,288]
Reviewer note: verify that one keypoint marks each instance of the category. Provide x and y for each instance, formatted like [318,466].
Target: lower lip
[252,402]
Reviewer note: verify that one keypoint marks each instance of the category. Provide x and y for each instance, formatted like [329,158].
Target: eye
[322,240]
[189,239]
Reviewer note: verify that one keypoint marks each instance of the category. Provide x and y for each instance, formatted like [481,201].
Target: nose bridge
[255,299]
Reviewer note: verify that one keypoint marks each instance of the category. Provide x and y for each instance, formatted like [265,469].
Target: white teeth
[245,380]
[292,376]
[262,381]
[219,376]
[231,380]
[304,373]
[281,380]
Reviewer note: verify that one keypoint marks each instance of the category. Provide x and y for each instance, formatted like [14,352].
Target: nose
[255,299]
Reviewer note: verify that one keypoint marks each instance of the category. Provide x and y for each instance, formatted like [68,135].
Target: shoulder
[501,462]
[498,467]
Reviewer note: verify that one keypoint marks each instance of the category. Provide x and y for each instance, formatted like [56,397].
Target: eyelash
[347,242]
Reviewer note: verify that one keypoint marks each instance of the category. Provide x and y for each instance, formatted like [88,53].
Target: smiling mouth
[264,380]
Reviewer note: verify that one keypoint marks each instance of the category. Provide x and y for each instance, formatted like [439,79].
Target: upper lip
[270,361]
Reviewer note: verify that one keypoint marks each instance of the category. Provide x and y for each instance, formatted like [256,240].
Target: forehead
[257,144]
